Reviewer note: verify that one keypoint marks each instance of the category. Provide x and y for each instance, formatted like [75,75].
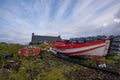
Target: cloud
[117,15]
[62,9]
[117,20]
[111,28]
[68,18]
[14,35]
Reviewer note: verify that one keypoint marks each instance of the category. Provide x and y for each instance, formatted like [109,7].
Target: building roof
[43,38]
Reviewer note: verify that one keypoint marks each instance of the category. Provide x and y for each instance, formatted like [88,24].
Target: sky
[67,18]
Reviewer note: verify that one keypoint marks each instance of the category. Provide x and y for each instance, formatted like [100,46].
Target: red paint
[80,52]
[48,47]
[27,52]
[62,45]
[24,51]
[36,51]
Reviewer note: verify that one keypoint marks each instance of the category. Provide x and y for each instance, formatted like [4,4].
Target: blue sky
[68,18]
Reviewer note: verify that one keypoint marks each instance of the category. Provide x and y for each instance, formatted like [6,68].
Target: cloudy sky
[68,18]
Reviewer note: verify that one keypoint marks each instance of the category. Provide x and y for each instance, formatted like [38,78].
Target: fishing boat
[29,51]
[93,48]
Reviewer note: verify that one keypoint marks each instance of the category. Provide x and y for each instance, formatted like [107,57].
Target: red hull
[30,51]
[68,45]
[97,48]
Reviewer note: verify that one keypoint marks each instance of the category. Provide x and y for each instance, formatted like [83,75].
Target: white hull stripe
[79,49]
[98,52]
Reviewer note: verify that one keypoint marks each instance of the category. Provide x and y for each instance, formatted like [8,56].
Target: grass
[56,74]
[112,59]
[21,75]
[35,68]
[43,45]
[9,48]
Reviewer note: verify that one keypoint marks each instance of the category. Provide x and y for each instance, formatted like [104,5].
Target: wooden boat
[94,48]
[29,51]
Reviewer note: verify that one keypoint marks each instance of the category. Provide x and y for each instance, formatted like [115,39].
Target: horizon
[67,18]
[56,36]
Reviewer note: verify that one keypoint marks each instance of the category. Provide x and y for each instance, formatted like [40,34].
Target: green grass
[9,48]
[35,68]
[43,45]
[112,59]
[56,74]
[46,53]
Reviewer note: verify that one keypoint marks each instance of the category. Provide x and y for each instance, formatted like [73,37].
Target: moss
[113,59]
[53,64]
[59,72]
[21,75]
[56,74]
